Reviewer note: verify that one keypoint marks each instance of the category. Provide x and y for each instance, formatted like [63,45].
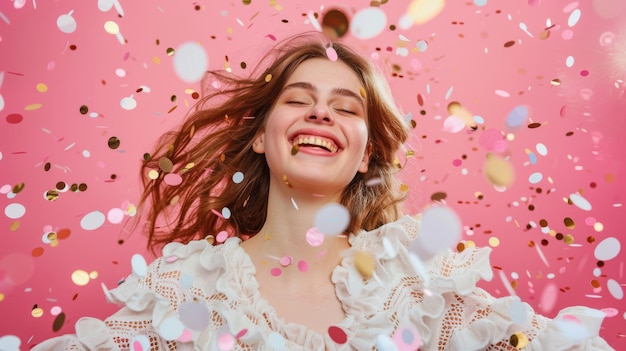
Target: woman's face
[316,133]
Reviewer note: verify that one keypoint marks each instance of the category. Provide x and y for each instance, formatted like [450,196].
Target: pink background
[582,122]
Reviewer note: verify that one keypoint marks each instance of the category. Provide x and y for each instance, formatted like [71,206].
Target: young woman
[266,162]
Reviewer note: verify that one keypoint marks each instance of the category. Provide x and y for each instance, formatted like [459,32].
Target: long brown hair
[215,142]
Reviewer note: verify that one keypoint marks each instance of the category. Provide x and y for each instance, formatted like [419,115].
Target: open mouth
[316,142]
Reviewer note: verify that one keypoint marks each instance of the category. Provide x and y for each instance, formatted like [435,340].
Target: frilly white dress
[447,312]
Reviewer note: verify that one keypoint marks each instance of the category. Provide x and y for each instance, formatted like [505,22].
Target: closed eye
[346,111]
[296,102]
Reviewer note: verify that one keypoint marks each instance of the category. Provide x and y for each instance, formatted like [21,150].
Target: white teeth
[318,142]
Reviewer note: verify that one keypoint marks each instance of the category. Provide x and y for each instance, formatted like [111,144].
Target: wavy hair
[215,141]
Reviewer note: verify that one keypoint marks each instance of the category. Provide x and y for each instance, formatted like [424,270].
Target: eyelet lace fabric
[446,309]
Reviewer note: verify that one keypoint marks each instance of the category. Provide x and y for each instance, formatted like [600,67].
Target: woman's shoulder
[195,266]
[393,244]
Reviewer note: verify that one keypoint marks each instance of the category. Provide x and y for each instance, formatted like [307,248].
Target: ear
[363,167]
[259,143]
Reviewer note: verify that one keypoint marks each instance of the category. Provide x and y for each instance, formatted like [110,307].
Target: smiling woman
[308,248]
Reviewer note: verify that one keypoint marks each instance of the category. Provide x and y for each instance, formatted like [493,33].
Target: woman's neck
[290,215]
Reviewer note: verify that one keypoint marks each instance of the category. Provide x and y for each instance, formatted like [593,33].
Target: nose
[320,113]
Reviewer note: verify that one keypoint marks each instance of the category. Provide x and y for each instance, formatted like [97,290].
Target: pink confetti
[314,237]
[331,53]
[303,266]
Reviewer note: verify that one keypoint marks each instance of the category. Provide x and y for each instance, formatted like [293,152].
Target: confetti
[190,62]
[314,237]
[337,335]
[139,265]
[194,314]
[422,11]
[171,329]
[332,219]
[66,23]
[368,23]
[440,228]
[607,249]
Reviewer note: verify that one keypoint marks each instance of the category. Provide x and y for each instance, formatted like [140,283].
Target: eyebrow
[335,91]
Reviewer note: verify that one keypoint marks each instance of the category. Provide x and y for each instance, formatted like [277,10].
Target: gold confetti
[286,181]
[364,264]
[519,340]
[37,312]
[166,164]
[499,171]
[363,93]
[268,77]
[295,149]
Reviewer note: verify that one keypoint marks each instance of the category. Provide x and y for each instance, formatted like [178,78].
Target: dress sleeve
[472,319]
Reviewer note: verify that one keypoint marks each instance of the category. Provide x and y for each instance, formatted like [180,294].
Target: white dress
[448,312]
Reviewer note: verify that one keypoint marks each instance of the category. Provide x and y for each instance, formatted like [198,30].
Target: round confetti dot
[368,23]
[37,312]
[517,117]
[115,215]
[190,62]
[407,339]
[574,17]
[440,229]
[421,45]
[66,23]
[332,219]
[41,87]
[569,61]
[92,220]
[171,329]
[80,277]
[225,342]
[55,310]
[385,343]
[615,289]
[453,124]
[314,237]
[535,178]
[15,211]
[226,213]
[580,202]
[335,23]
[607,249]
[499,171]
[238,177]
[275,272]
[111,27]
[285,260]
[14,118]
[140,343]
[10,343]
[221,236]
[541,149]
[490,140]
[331,53]
[139,265]
[173,179]
[337,335]
[194,314]
[519,340]
[422,11]
[303,266]
[276,341]
[128,103]
[364,264]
